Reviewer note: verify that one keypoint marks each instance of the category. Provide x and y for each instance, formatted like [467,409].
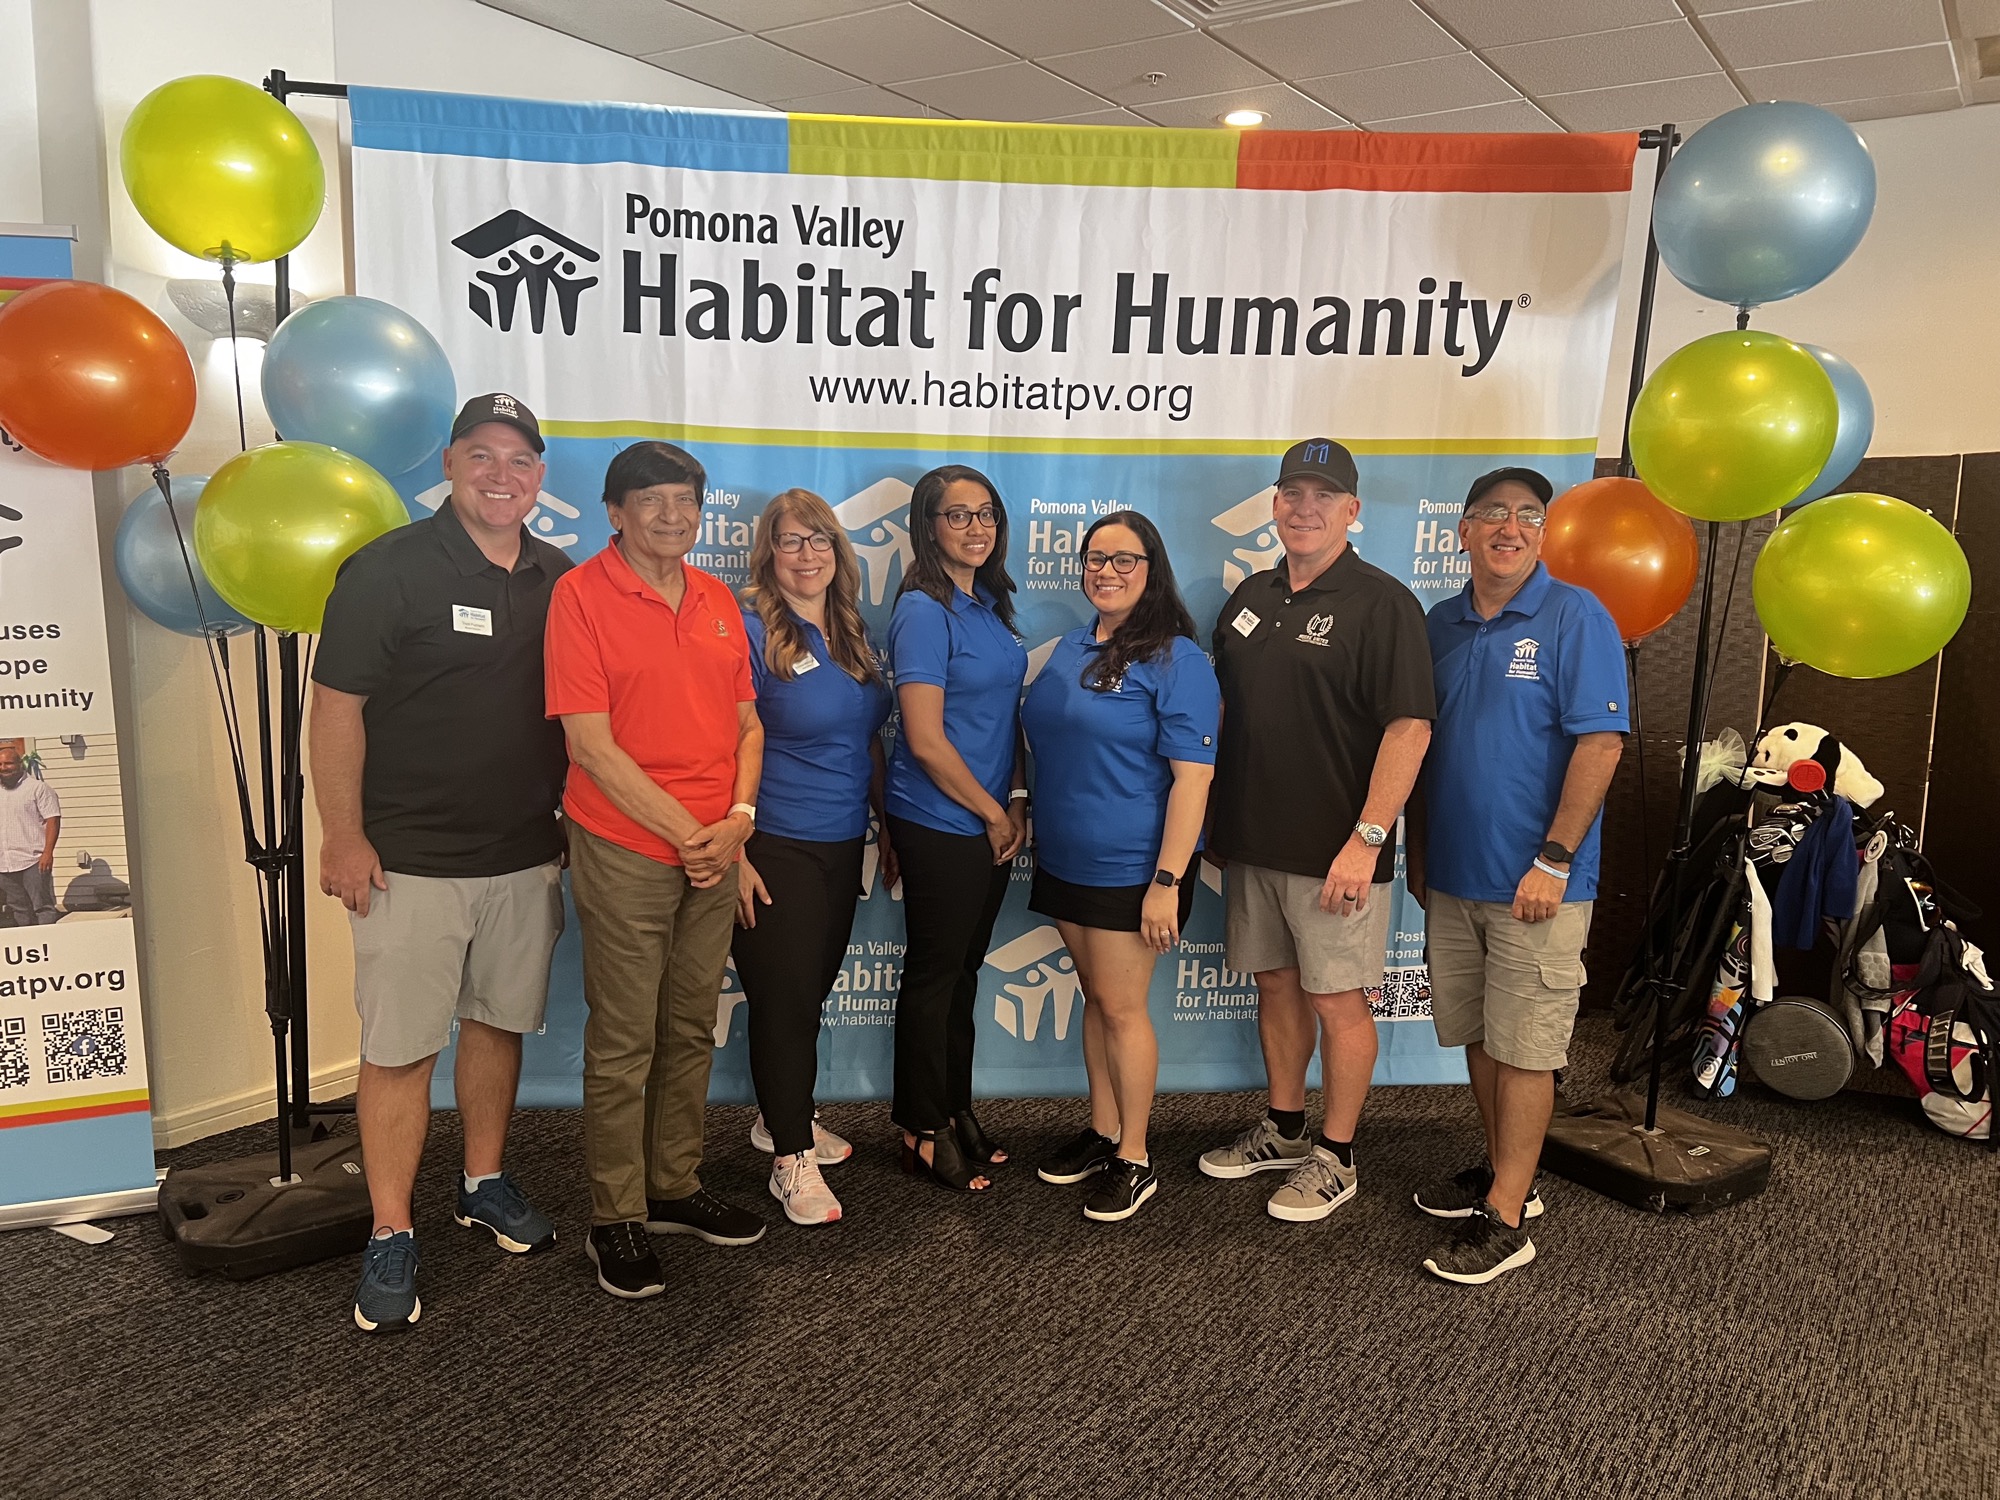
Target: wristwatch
[1374,835]
[1166,878]
[1556,854]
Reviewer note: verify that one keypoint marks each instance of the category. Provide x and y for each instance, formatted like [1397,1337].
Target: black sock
[1343,1151]
[1291,1123]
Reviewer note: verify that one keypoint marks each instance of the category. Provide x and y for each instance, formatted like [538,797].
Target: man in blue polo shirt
[1531,721]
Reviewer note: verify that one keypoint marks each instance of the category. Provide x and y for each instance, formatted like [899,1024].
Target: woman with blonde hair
[822,700]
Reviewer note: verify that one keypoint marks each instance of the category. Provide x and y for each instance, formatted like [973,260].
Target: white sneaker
[828,1148]
[797,1184]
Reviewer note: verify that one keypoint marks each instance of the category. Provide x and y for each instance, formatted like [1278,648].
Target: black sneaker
[1482,1249]
[1457,1196]
[1088,1153]
[1122,1191]
[702,1213]
[626,1264]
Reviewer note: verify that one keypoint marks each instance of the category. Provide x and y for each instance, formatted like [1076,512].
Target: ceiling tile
[1605,59]
[1978,17]
[891,44]
[1823,28]
[867,101]
[634,27]
[1897,105]
[1459,81]
[1194,63]
[1516,115]
[1019,91]
[1341,38]
[1284,109]
[1637,106]
[1102,117]
[1874,75]
[754,68]
[1495,23]
[762,15]
[1043,28]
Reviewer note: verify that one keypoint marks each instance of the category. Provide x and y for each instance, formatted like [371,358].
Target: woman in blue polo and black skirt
[1121,723]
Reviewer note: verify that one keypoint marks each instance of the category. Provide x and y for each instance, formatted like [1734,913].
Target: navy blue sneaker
[517,1225]
[386,1298]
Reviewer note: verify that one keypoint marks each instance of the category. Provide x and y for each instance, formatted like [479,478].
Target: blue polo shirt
[817,730]
[968,652]
[1100,758]
[1513,694]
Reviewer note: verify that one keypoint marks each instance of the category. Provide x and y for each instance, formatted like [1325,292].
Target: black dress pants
[788,963]
[952,892]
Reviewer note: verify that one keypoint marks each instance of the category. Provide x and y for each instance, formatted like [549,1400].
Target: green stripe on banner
[934,442]
[969,151]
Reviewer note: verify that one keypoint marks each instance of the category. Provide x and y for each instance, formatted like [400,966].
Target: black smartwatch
[1166,878]
[1556,854]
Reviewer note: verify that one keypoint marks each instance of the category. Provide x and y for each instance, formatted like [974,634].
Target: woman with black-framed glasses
[1121,723]
[957,806]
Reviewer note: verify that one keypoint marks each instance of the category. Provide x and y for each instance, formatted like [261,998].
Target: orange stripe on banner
[56,1113]
[1390,162]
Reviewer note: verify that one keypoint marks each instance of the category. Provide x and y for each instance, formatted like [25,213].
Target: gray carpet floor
[1834,1337]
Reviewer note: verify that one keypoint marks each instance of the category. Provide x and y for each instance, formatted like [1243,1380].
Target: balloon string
[1729,594]
[235,357]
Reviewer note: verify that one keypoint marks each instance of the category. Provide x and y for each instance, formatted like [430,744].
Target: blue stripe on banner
[34,255]
[76,1158]
[532,130]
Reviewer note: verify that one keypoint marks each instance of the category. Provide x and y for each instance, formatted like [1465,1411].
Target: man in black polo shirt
[1327,699]
[437,778]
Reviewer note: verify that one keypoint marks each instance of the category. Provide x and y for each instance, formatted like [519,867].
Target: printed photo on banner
[62,831]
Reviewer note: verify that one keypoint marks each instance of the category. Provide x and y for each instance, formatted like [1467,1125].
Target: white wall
[1914,309]
[20,134]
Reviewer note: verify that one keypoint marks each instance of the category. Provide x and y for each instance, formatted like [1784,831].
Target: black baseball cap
[1533,479]
[1322,458]
[498,407]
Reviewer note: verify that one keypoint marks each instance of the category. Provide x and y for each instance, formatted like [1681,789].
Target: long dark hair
[784,640]
[1159,616]
[927,572]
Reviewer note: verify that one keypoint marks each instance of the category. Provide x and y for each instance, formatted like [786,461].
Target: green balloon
[1861,586]
[1734,426]
[275,524]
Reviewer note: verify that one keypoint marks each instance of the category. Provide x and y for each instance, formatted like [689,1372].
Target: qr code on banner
[14,1070]
[1405,995]
[79,1045]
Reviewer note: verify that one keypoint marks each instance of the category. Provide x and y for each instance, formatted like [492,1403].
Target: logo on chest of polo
[1317,631]
[1525,666]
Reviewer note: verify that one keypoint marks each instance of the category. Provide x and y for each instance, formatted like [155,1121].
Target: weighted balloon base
[1686,1164]
[229,1218]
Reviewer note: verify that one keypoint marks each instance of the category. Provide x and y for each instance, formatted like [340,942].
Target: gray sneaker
[1315,1189]
[1459,1195]
[1258,1149]
[1481,1250]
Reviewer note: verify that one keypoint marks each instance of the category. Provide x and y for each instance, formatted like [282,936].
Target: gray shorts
[431,950]
[1511,986]
[1272,920]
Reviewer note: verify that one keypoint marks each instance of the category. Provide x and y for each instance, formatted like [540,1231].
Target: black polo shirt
[464,770]
[1310,679]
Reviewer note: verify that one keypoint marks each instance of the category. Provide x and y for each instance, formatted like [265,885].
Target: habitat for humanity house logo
[1041,982]
[523,258]
[1251,522]
[873,522]
[552,519]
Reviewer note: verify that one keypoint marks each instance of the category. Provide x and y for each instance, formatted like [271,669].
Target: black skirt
[1109,908]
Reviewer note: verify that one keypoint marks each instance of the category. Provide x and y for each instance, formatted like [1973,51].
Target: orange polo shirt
[670,680]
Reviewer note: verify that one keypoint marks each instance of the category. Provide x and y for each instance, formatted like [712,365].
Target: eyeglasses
[1119,562]
[1500,515]
[958,517]
[792,541]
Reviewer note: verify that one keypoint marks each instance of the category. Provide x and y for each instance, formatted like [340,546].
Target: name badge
[1244,623]
[804,665]
[468,620]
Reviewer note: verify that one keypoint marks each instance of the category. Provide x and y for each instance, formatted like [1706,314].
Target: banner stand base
[53,1211]
[1686,1163]
[232,1219]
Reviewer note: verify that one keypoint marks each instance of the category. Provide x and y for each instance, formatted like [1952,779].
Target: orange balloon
[90,379]
[1613,537]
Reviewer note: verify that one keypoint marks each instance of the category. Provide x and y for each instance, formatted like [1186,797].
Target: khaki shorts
[1511,986]
[431,950]
[1272,920]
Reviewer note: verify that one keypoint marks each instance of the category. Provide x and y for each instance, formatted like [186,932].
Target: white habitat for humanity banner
[1099,318]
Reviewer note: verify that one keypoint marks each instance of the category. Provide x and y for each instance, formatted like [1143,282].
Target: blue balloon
[363,377]
[154,569]
[1763,202]
[1857,423]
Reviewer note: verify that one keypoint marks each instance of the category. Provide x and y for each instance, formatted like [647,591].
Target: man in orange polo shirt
[649,671]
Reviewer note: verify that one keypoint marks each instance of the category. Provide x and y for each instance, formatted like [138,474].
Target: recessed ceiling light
[1245,119]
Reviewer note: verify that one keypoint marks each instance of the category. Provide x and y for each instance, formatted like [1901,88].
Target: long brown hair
[784,639]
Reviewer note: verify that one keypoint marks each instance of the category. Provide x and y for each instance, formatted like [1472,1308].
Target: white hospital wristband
[1548,869]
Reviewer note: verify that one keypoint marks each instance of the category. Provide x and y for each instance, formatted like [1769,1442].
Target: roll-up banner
[1099,318]
[76,1129]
